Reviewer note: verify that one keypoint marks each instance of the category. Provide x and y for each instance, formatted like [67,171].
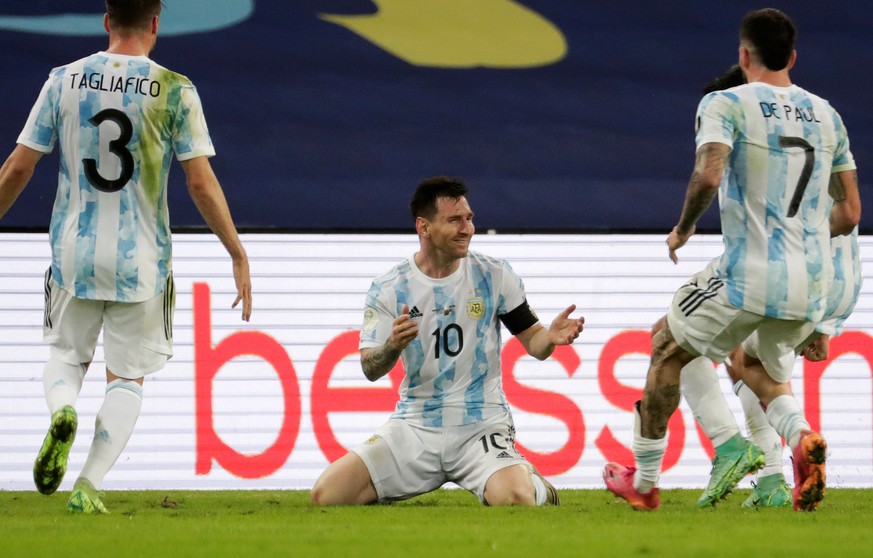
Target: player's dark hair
[731,78]
[771,35]
[132,14]
[424,200]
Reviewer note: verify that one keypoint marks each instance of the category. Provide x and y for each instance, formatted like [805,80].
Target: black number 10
[442,339]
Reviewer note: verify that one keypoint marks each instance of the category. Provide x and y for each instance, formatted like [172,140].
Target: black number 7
[805,174]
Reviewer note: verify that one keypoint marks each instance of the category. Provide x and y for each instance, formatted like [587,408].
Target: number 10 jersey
[119,120]
[453,374]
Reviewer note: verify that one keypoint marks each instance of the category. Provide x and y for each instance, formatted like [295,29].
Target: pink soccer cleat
[620,481]
[809,471]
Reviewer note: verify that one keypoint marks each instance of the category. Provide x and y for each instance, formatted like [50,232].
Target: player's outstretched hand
[564,330]
[677,240]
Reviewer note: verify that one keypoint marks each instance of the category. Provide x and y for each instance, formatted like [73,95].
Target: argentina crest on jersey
[475,307]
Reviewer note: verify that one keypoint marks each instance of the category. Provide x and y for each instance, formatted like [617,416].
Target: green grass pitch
[446,524]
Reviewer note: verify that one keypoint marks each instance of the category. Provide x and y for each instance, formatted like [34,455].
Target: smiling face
[449,232]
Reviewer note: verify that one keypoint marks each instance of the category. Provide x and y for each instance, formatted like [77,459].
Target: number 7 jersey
[119,120]
[453,374]
[774,202]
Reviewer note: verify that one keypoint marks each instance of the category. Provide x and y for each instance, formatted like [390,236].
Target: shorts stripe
[697,296]
[47,312]
[169,297]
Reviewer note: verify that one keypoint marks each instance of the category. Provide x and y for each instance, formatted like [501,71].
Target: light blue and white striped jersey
[119,120]
[453,374]
[774,198]
[846,286]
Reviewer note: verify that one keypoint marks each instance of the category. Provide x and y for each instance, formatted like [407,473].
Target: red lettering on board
[628,343]
[208,360]
[855,342]
[546,403]
[326,399]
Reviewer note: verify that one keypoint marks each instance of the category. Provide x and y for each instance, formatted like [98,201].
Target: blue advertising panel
[561,115]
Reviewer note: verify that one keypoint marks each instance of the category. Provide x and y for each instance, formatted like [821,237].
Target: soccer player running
[119,118]
[772,149]
[700,386]
[440,311]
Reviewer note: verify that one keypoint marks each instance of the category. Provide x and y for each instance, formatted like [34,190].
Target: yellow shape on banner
[459,33]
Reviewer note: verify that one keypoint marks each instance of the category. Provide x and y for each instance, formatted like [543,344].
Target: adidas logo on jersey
[415,312]
[504,455]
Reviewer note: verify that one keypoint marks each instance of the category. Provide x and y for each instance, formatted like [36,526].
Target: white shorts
[137,336]
[703,322]
[406,460]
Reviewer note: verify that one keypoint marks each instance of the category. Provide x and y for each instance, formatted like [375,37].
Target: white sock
[649,455]
[699,386]
[114,425]
[61,383]
[541,493]
[786,417]
[763,434]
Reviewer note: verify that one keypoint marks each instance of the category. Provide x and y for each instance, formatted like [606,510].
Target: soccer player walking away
[119,118]
[775,151]
[440,311]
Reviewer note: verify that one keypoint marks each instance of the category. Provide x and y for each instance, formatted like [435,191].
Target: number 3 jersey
[774,201]
[453,374]
[119,120]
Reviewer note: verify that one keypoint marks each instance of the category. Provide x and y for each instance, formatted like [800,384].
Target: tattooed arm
[702,188]
[846,211]
[378,361]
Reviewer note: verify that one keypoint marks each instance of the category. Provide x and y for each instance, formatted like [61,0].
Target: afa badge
[371,320]
[476,308]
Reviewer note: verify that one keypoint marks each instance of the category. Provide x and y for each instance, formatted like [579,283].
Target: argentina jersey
[119,120]
[846,287]
[774,201]
[452,369]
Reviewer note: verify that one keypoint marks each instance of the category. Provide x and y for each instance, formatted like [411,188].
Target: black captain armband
[519,319]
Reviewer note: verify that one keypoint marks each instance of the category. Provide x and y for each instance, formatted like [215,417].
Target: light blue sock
[114,425]
[61,383]
[785,416]
[649,455]
[763,434]
[699,385]
[541,493]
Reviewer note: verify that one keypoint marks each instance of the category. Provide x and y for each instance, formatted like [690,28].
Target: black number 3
[117,147]
[805,174]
